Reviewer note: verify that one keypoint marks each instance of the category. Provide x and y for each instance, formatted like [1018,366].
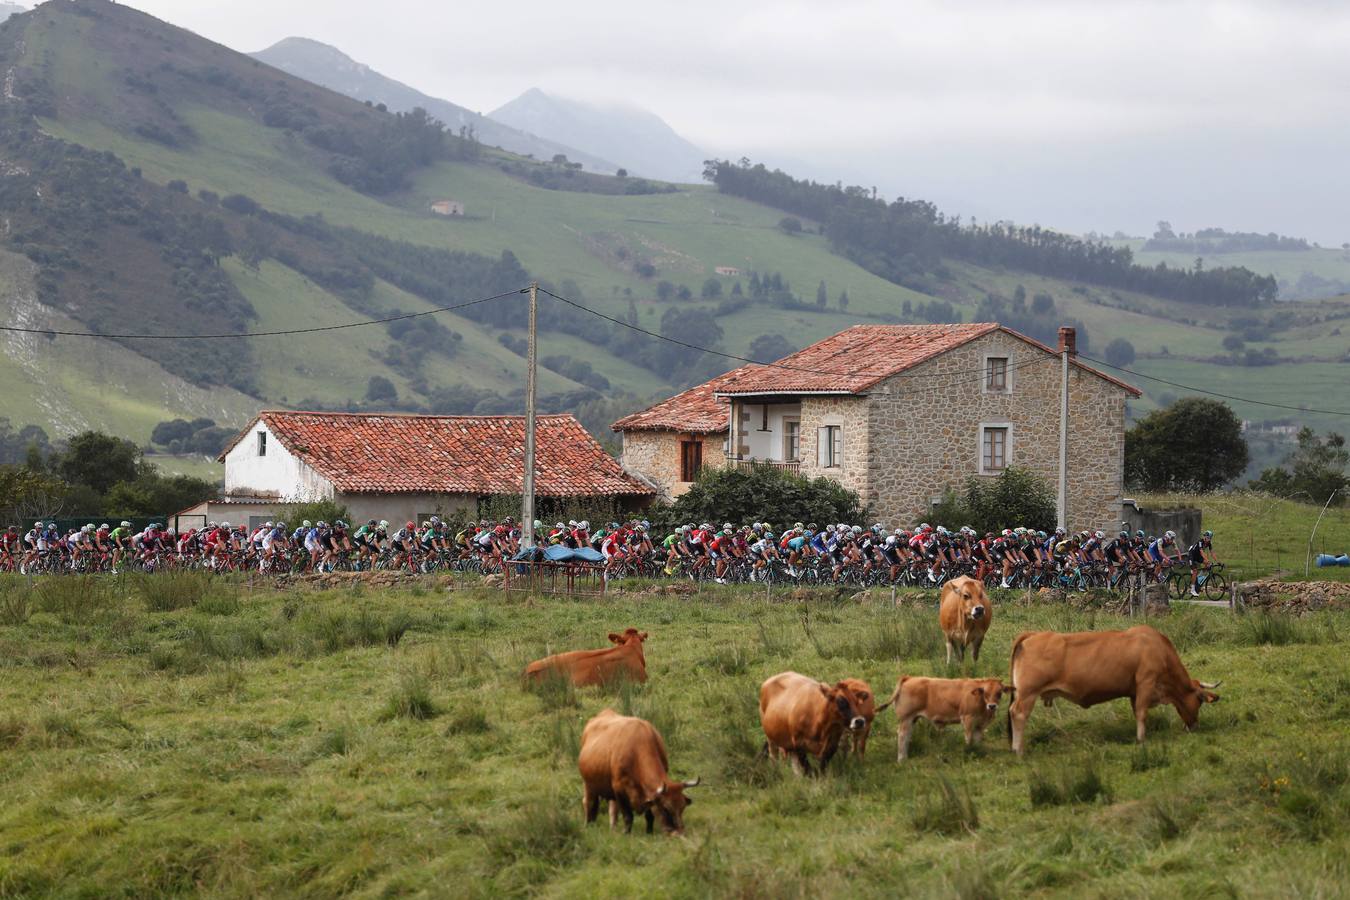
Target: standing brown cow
[623,760]
[803,717]
[964,615]
[590,667]
[944,701]
[867,708]
[1091,667]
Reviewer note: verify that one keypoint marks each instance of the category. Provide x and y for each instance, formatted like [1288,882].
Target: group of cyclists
[929,554]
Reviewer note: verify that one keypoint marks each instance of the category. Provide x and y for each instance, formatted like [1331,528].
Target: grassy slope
[1257,535]
[69,384]
[150,752]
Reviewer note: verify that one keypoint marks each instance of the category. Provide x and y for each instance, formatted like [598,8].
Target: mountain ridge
[326,65]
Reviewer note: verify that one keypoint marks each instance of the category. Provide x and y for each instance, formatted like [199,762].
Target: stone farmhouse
[407,467]
[898,413]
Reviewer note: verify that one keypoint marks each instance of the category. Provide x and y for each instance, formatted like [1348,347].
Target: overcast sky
[1068,113]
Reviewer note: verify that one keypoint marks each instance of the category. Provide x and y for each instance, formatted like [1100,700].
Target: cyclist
[11,543]
[1117,553]
[722,548]
[760,551]
[1158,555]
[1201,555]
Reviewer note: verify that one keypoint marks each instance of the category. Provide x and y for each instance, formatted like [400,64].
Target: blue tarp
[1326,559]
[559,553]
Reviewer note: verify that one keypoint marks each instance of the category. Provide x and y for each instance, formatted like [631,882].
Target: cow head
[866,703]
[974,604]
[629,636]
[845,704]
[1189,703]
[983,699]
[669,803]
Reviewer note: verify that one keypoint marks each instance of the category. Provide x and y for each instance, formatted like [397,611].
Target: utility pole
[527,489]
[1068,346]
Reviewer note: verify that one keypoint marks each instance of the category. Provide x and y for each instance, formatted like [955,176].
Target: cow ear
[642,635]
[615,639]
[825,689]
[977,692]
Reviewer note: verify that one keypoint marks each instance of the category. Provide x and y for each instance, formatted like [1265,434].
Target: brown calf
[964,614]
[623,760]
[944,701]
[803,717]
[1091,667]
[590,667]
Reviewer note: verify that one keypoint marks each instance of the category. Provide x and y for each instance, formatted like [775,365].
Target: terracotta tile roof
[857,358]
[696,411]
[379,453]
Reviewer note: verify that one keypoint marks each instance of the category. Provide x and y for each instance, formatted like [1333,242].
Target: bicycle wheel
[1216,587]
[1178,585]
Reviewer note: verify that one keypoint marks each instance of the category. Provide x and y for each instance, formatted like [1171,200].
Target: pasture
[171,734]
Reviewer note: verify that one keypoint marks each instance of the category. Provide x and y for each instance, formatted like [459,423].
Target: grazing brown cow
[1091,667]
[944,701]
[589,667]
[623,760]
[867,708]
[802,716]
[964,615]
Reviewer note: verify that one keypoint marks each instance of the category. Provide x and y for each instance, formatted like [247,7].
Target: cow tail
[1012,681]
[895,695]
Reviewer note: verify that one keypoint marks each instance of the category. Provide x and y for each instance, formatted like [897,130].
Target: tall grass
[16,601]
[175,589]
[945,809]
[410,699]
[1080,783]
[77,599]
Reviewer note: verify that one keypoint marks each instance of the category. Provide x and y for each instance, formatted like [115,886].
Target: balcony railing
[792,465]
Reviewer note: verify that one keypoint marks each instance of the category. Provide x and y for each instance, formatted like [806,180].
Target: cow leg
[627,809]
[613,814]
[975,649]
[1018,713]
[800,763]
[950,647]
[651,821]
[825,759]
[968,726]
[902,734]
[1141,713]
[591,802]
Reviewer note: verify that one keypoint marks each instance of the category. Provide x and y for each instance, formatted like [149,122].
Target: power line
[1189,387]
[746,359]
[249,334]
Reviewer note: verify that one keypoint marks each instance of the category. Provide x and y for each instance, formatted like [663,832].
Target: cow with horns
[1092,667]
[623,760]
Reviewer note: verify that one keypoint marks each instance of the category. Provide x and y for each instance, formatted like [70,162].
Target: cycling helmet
[499,530]
[1042,535]
[384,523]
[813,527]
[559,526]
[768,535]
[339,524]
[898,532]
[1171,535]
[1060,530]
[856,529]
[281,525]
[371,523]
[103,527]
[1007,532]
[124,524]
[222,525]
[537,523]
[705,527]
[1208,535]
[685,529]
[305,524]
[1099,535]
[1140,534]
[267,524]
[728,526]
[410,525]
[1123,534]
[436,520]
[584,525]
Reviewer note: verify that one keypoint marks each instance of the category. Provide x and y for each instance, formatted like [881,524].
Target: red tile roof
[855,359]
[696,411]
[858,358]
[393,453]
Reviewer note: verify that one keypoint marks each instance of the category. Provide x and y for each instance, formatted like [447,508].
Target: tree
[1312,471]
[622,173]
[1120,352]
[380,388]
[712,289]
[843,301]
[26,494]
[822,297]
[166,433]
[790,225]
[99,461]
[770,348]
[775,495]
[1016,497]
[154,495]
[1196,444]
[736,290]
[664,290]
[1234,343]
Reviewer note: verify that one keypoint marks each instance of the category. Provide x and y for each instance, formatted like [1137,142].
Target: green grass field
[166,737]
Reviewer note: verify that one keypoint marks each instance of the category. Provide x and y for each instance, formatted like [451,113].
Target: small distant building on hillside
[898,413]
[407,467]
[448,208]
[729,271]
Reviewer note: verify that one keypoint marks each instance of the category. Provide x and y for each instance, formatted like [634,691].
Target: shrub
[16,601]
[75,600]
[1081,784]
[546,831]
[946,809]
[775,496]
[1264,627]
[170,590]
[1016,497]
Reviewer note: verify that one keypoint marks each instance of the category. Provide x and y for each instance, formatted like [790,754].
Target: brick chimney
[1068,340]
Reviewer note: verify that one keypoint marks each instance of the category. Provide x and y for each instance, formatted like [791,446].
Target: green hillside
[190,123]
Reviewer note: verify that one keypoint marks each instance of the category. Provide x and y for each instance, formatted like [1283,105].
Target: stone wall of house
[654,456]
[852,414]
[925,431]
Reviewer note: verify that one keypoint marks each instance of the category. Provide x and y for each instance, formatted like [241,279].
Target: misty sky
[1072,114]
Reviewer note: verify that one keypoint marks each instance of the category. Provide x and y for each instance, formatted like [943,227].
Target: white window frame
[833,457]
[1007,447]
[261,447]
[788,422]
[1007,373]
